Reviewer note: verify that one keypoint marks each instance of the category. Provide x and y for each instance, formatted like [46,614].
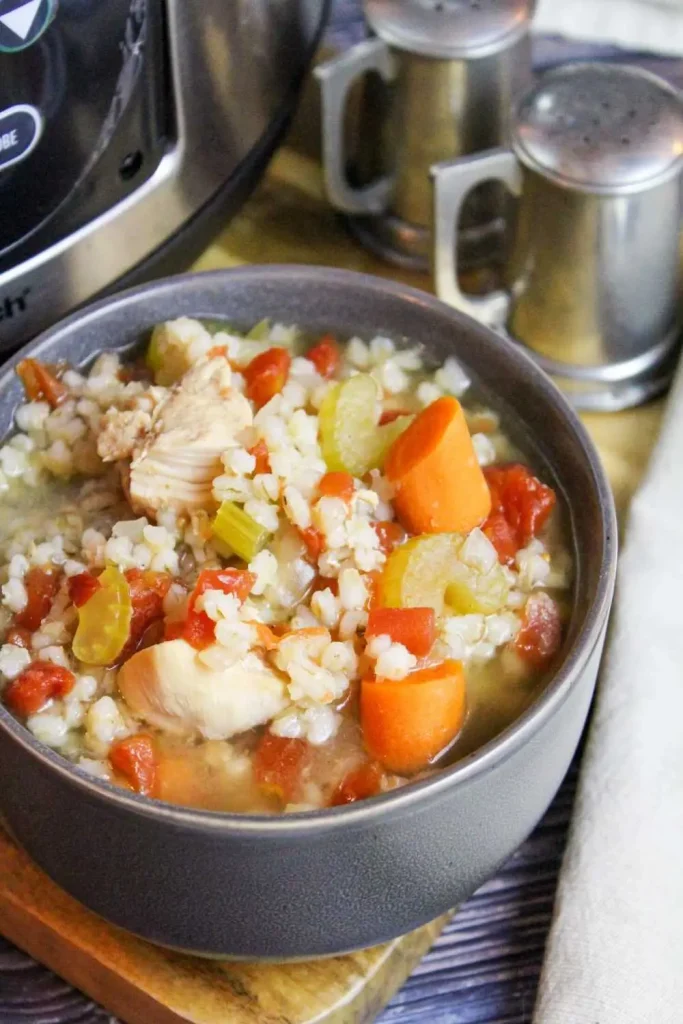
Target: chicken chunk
[170,688]
[174,458]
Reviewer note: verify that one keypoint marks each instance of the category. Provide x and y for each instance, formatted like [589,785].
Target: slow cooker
[130,130]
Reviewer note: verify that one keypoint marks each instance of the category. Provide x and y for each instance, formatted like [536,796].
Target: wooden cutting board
[143,984]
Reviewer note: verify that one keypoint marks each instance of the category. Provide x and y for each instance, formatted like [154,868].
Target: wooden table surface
[485,966]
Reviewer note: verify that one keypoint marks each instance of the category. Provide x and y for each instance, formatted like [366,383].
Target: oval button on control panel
[20,129]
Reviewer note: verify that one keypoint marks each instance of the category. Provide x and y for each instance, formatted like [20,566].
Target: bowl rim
[481,761]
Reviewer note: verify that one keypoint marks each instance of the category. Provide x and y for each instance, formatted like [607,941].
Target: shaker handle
[336,77]
[452,181]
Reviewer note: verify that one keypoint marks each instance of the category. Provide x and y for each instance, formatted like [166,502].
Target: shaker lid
[608,129]
[450,29]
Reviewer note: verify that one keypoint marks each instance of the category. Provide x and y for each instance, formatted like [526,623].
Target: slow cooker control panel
[82,118]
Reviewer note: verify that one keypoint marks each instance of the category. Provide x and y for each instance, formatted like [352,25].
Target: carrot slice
[406,724]
[439,485]
[415,628]
[40,383]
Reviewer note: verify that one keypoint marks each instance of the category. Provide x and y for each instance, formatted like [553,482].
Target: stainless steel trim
[220,114]
[453,181]
[336,77]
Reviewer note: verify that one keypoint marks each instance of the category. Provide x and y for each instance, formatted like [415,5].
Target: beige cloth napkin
[652,25]
[615,951]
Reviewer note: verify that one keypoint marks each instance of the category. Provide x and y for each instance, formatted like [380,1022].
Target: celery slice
[471,592]
[241,534]
[417,573]
[384,437]
[348,425]
[259,332]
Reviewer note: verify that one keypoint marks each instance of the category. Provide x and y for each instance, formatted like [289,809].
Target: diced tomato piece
[540,635]
[40,383]
[260,453]
[521,498]
[266,375]
[325,356]
[389,415]
[135,759]
[82,587]
[231,581]
[19,637]
[41,588]
[279,764]
[199,629]
[336,485]
[147,592]
[175,630]
[415,628]
[373,582]
[325,583]
[358,784]
[502,536]
[390,535]
[314,541]
[37,684]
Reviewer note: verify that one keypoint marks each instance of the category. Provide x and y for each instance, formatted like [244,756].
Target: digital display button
[22,22]
[20,129]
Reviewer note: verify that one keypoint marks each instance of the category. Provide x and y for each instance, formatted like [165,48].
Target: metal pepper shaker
[593,277]
[449,71]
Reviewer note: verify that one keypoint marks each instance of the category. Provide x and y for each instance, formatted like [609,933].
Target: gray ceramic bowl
[321,883]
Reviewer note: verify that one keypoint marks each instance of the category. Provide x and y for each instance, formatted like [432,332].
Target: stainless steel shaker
[449,69]
[592,280]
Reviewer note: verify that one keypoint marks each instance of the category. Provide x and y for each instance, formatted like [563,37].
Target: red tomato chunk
[37,684]
[325,356]
[260,453]
[41,587]
[198,629]
[19,637]
[147,592]
[135,759]
[279,764]
[415,628]
[266,375]
[390,535]
[314,541]
[358,784]
[82,587]
[540,635]
[523,502]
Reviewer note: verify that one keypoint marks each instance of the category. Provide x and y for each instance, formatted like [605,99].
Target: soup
[268,572]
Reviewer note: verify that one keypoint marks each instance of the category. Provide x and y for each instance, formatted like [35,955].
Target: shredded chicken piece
[175,453]
[169,687]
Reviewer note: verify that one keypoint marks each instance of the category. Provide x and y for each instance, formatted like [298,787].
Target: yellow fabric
[287,220]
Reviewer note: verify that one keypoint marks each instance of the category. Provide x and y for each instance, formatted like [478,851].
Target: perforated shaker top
[450,29]
[602,128]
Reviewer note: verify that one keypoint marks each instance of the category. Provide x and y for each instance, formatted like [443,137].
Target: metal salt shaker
[593,275]
[449,69]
